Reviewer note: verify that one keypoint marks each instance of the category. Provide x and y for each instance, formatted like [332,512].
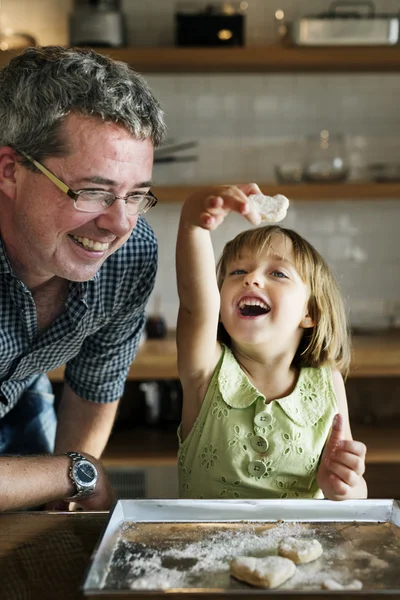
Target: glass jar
[326,158]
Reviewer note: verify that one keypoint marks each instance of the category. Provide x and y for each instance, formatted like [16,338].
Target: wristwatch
[83,474]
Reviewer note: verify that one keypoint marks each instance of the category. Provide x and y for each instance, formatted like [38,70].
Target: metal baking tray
[154,547]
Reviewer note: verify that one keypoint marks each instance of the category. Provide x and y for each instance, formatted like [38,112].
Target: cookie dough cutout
[271,209]
[332,584]
[300,550]
[268,572]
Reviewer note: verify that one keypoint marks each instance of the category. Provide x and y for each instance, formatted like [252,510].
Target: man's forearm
[83,426]
[28,481]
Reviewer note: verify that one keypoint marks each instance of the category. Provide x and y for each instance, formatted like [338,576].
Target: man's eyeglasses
[92,201]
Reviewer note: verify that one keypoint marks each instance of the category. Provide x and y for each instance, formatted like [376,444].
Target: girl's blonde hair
[328,342]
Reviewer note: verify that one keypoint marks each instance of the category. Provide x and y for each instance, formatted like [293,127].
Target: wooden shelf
[376,356]
[373,356]
[156,448]
[253,59]
[141,447]
[147,446]
[301,191]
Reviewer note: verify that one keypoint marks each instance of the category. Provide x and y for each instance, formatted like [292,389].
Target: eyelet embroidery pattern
[308,392]
[292,443]
[209,457]
[236,382]
[185,474]
[219,409]
[240,437]
[229,489]
[269,469]
[287,487]
[223,435]
[312,465]
[181,458]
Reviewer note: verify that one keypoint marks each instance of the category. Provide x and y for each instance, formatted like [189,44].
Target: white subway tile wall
[365,259]
[246,124]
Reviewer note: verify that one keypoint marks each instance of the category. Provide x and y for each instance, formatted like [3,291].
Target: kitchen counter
[46,556]
[373,356]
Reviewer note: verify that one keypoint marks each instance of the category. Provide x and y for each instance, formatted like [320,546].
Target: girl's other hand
[340,475]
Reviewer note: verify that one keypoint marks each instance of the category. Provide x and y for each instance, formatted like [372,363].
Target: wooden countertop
[373,356]
[46,556]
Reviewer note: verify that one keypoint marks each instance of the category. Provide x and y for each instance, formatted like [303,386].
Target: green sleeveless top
[241,447]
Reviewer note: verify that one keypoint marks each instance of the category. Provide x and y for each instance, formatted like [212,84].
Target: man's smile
[91,244]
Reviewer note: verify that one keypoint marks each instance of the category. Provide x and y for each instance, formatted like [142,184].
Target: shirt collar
[5,265]
[304,405]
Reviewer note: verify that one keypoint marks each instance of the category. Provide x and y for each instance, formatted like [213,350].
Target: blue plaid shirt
[97,335]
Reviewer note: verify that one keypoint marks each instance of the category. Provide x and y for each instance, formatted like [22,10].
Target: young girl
[260,356]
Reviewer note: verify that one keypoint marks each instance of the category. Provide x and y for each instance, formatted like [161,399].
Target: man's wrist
[70,488]
[83,474]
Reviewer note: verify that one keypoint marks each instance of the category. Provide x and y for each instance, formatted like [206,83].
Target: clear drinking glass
[326,158]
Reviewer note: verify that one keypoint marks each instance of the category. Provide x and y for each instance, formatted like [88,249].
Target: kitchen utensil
[289,173]
[166,154]
[173,159]
[384,171]
[151,390]
[325,158]
[172,148]
[156,326]
[13,40]
[97,23]
[217,24]
[347,23]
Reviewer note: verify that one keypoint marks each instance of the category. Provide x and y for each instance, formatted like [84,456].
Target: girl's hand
[208,207]
[340,475]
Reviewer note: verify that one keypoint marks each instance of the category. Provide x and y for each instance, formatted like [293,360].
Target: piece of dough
[270,208]
[267,572]
[332,584]
[300,550]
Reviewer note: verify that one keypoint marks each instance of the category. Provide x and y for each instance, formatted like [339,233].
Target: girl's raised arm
[202,212]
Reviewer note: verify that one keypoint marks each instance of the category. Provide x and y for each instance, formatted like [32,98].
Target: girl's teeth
[252,302]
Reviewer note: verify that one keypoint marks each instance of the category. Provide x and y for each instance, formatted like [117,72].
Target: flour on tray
[194,555]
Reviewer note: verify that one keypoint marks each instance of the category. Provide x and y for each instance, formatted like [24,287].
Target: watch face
[85,473]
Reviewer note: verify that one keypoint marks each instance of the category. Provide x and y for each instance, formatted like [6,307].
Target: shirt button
[262,419]
[257,468]
[259,443]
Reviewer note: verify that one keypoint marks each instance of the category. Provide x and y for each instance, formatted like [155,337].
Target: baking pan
[183,547]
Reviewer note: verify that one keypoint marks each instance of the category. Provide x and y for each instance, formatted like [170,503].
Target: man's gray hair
[40,86]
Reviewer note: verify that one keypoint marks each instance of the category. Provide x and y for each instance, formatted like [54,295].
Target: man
[77,259]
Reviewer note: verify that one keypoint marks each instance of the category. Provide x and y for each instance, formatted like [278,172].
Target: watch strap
[75,456]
